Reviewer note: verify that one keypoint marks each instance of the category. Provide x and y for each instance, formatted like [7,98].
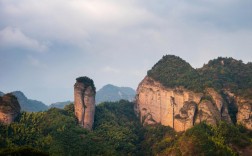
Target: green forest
[117,131]
[221,73]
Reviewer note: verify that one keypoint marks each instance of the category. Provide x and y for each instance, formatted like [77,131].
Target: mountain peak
[114,93]
[28,104]
[173,71]
[109,85]
[19,94]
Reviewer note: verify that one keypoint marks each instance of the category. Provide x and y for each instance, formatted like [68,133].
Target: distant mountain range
[106,93]
[60,105]
[113,93]
[29,105]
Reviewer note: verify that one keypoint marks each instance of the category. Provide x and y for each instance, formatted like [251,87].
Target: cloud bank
[46,44]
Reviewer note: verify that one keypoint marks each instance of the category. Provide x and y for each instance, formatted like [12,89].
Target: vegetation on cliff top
[86,81]
[229,74]
[172,71]
[221,73]
[9,103]
[117,131]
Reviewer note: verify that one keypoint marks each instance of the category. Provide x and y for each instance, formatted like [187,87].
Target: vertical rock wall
[242,107]
[178,108]
[84,104]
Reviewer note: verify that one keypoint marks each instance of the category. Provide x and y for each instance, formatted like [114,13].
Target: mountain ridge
[60,105]
[29,105]
[114,93]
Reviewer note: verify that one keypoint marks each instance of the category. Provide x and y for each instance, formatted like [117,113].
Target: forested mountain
[206,100]
[117,131]
[228,73]
[113,93]
[221,73]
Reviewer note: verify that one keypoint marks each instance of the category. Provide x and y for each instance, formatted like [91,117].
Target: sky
[46,44]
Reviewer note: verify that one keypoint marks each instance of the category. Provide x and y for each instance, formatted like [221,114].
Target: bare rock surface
[178,107]
[84,102]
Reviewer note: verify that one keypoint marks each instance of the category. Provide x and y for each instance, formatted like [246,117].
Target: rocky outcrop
[178,107]
[208,113]
[244,115]
[243,109]
[9,108]
[212,108]
[84,102]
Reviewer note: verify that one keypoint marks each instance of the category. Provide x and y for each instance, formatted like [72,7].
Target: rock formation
[84,102]
[9,108]
[175,94]
[178,107]
[243,109]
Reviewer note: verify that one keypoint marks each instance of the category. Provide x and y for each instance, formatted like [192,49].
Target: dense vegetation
[117,131]
[220,73]
[172,71]
[230,74]
[9,103]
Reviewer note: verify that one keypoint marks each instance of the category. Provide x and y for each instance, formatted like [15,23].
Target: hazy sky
[46,44]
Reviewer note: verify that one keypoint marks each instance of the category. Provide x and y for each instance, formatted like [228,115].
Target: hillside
[219,91]
[229,74]
[221,73]
[173,71]
[113,93]
[60,105]
[29,105]
[117,131]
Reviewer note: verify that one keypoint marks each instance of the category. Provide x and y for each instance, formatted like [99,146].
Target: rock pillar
[84,101]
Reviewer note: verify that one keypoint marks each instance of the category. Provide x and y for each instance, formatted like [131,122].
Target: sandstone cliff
[220,90]
[178,107]
[243,108]
[9,108]
[84,101]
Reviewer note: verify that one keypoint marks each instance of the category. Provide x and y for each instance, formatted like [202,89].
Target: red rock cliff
[84,102]
[178,107]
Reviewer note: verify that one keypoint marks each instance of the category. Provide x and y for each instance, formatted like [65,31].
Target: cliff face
[84,103]
[220,90]
[9,108]
[178,107]
[243,109]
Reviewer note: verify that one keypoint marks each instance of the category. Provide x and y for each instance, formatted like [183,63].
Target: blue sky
[46,44]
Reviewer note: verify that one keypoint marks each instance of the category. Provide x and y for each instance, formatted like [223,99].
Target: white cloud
[14,38]
[117,41]
[74,22]
[108,69]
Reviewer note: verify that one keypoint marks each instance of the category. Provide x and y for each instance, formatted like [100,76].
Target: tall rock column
[84,101]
